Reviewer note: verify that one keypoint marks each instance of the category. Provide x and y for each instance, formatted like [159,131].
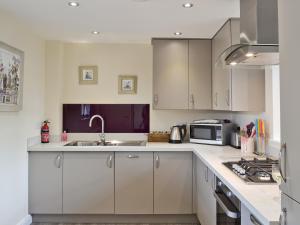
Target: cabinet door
[247,218]
[221,76]
[173,169]
[206,203]
[134,183]
[248,90]
[170,74]
[290,211]
[45,182]
[88,186]
[200,74]
[289,97]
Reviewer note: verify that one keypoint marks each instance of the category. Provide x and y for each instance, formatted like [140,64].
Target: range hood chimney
[259,44]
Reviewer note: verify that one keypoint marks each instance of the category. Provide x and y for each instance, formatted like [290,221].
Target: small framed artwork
[127,84]
[88,74]
[11,78]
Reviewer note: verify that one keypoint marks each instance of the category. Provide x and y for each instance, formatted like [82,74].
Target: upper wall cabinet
[235,89]
[182,74]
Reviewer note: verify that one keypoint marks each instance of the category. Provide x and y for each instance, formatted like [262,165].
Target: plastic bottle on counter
[64,136]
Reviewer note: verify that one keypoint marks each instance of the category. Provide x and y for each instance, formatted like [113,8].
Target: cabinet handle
[155,99]
[228,97]
[254,220]
[133,156]
[192,100]
[282,218]
[216,99]
[109,161]
[282,157]
[58,161]
[157,161]
[206,174]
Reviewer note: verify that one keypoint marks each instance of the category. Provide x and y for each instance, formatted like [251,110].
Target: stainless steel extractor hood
[258,35]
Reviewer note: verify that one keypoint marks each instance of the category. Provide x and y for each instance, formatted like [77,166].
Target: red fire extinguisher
[45,132]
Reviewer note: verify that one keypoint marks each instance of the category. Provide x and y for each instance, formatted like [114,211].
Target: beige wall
[16,127]
[112,60]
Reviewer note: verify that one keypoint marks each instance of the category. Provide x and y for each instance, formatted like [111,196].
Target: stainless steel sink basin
[107,143]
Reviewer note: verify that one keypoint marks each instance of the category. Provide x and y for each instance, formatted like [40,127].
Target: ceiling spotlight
[95,32]
[187,5]
[249,54]
[233,63]
[177,33]
[73,4]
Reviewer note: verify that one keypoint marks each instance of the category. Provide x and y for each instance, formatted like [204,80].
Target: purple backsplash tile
[118,118]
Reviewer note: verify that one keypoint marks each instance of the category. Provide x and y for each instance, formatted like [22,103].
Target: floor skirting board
[114,219]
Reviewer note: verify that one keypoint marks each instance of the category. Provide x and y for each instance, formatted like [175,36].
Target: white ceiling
[122,20]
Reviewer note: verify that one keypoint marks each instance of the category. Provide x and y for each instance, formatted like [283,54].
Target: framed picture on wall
[11,78]
[88,74]
[127,84]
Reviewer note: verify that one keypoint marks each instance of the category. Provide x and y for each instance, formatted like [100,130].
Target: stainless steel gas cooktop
[253,171]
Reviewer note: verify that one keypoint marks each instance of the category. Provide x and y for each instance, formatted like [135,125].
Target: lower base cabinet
[88,186]
[173,183]
[206,203]
[45,182]
[134,182]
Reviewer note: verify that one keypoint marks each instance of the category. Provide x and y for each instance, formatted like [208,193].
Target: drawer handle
[254,220]
[133,156]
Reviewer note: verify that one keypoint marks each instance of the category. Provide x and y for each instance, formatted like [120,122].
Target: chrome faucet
[102,135]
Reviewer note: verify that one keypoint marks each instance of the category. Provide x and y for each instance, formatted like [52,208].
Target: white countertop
[262,200]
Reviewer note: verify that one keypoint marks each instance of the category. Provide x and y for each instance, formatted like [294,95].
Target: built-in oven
[228,205]
[216,132]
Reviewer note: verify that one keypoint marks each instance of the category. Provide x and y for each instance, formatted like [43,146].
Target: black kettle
[178,133]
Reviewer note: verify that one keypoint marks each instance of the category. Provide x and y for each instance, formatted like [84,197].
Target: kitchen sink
[107,143]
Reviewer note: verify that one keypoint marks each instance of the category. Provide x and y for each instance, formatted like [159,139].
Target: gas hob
[256,171]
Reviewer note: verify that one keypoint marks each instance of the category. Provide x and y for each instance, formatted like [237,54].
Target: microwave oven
[212,132]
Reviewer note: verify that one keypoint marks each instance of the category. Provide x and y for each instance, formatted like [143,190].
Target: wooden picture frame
[88,75]
[11,78]
[127,84]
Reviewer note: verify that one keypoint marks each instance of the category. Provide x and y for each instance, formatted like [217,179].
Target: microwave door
[203,132]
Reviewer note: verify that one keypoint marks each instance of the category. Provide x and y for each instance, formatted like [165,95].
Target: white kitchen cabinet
[247,218]
[134,182]
[173,183]
[88,186]
[234,89]
[200,74]
[221,76]
[206,203]
[170,74]
[181,74]
[45,182]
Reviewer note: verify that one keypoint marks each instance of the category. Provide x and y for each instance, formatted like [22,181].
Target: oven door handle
[229,210]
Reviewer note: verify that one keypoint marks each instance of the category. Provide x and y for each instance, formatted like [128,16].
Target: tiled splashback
[118,118]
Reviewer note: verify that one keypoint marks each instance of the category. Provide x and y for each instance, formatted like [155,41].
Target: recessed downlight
[233,63]
[73,4]
[188,5]
[177,33]
[250,54]
[95,32]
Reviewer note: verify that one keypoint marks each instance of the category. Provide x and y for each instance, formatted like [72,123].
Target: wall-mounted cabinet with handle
[234,89]
[173,169]
[181,74]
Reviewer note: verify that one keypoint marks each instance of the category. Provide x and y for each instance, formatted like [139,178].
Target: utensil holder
[247,146]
